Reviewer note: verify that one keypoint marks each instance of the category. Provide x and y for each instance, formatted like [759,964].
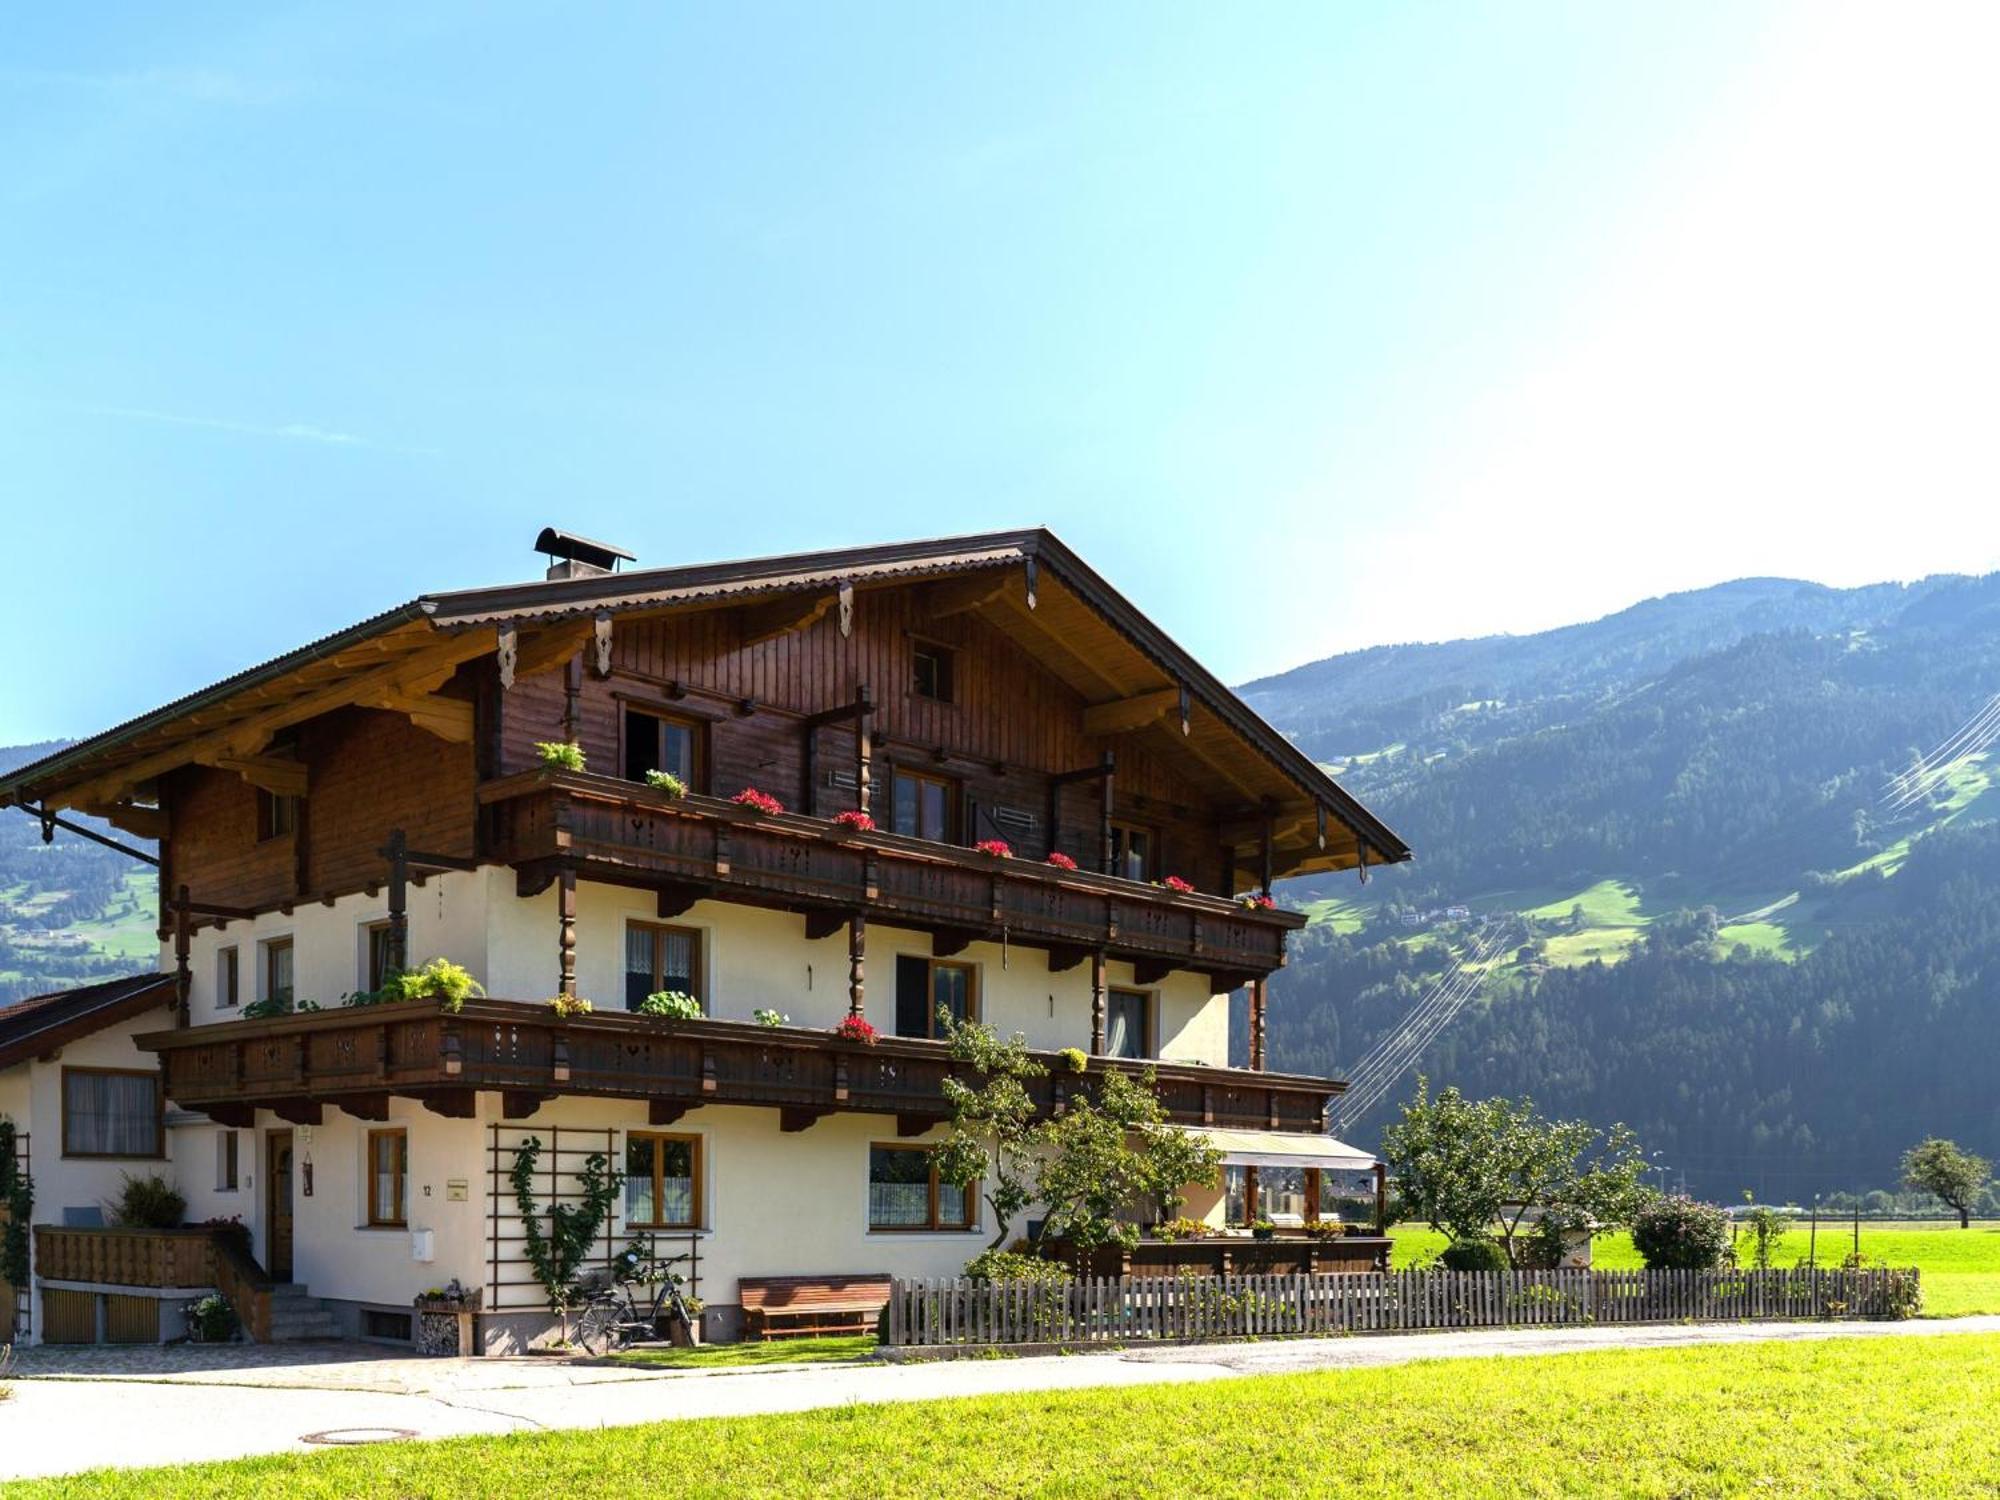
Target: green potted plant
[675,1005]
[562,755]
[1263,1229]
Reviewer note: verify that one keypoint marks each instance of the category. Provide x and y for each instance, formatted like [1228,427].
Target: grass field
[1960,1267]
[1833,1418]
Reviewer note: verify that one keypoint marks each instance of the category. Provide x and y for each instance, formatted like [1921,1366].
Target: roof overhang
[37,1026]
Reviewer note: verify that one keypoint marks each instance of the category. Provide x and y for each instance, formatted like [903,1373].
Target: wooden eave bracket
[279,776]
[1122,715]
[782,615]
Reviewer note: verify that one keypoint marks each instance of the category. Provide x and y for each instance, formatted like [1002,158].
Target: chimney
[572,556]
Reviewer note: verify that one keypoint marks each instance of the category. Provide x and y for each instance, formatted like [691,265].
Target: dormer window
[933,674]
[277,817]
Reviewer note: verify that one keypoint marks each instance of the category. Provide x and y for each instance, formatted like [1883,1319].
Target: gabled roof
[1054,604]
[39,1024]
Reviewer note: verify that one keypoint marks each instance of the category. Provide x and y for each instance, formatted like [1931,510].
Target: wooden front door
[278,1203]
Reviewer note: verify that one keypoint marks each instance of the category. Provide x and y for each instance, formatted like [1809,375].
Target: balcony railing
[694,846]
[356,1058]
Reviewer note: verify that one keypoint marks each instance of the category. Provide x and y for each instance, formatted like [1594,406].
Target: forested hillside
[1711,921]
[70,910]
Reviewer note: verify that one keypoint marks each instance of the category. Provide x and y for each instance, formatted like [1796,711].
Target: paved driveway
[228,1402]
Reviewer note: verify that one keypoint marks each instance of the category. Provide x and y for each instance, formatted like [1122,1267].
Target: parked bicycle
[642,1294]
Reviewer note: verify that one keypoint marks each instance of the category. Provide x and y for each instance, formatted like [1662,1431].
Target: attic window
[277,817]
[933,672]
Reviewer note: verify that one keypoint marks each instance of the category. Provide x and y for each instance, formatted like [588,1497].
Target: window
[924,807]
[225,1161]
[374,955]
[662,1181]
[926,985]
[1131,851]
[932,676]
[904,1191]
[228,978]
[661,958]
[277,817]
[1128,1023]
[110,1112]
[657,742]
[388,1167]
[277,969]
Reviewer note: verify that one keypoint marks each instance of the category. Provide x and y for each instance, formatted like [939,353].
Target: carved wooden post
[864,752]
[1104,819]
[566,909]
[857,939]
[398,854]
[183,973]
[1251,1212]
[1098,997]
[1257,1025]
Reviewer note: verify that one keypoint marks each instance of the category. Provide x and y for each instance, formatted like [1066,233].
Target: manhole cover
[351,1435]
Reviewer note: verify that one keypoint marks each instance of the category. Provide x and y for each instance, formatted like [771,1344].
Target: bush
[149,1202]
[567,755]
[668,782]
[450,984]
[1007,1265]
[1679,1234]
[211,1320]
[1473,1255]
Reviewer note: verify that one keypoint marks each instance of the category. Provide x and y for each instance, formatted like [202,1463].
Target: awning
[1277,1148]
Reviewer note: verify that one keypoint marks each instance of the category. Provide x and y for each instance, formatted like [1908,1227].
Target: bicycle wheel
[597,1329]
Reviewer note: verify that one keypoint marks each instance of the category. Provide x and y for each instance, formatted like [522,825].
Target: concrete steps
[297,1314]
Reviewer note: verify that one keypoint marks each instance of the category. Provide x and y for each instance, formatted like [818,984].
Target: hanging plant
[558,1255]
[763,802]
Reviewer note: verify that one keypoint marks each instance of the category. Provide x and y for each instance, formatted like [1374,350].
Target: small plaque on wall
[455,1190]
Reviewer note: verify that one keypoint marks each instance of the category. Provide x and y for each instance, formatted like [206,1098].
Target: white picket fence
[929,1313]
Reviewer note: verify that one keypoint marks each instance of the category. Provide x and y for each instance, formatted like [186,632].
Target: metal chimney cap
[573,548]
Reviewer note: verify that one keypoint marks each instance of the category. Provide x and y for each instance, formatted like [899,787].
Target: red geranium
[860,822]
[764,802]
[1175,883]
[857,1029]
[998,848]
[1061,860]
[1259,901]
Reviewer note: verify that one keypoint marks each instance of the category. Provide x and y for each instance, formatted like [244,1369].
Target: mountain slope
[1674,817]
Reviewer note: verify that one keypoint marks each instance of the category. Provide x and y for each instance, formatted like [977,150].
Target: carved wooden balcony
[357,1058]
[691,847]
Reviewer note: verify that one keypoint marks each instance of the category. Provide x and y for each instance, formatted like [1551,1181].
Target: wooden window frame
[973,998]
[1151,866]
[265,949]
[159,1152]
[931,1224]
[229,960]
[657,1138]
[947,656]
[697,725]
[402,1219]
[229,1154]
[1149,1029]
[277,816]
[954,802]
[699,978]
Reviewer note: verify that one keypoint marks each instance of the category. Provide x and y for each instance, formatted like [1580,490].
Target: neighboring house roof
[431,634]
[38,1025]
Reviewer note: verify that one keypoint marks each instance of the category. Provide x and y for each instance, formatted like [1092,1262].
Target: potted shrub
[857,1029]
[1074,1059]
[668,782]
[1263,1229]
[568,1007]
[765,1016]
[149,1202]
[210,1320]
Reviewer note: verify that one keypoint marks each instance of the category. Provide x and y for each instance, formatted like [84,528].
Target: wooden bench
[799,1306]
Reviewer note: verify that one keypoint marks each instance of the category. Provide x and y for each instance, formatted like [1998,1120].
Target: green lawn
[1960,1267]
[1824,1418]
[770,1352]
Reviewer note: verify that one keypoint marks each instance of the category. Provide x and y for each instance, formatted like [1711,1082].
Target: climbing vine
[17,1193]
[557,1255]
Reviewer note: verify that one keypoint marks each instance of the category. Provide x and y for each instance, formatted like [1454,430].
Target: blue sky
[1311,326]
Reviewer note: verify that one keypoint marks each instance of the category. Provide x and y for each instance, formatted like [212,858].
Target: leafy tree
[1465,1165]
[1679,1234]
[1940,1168]
[1106,1152]
[992,1138]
